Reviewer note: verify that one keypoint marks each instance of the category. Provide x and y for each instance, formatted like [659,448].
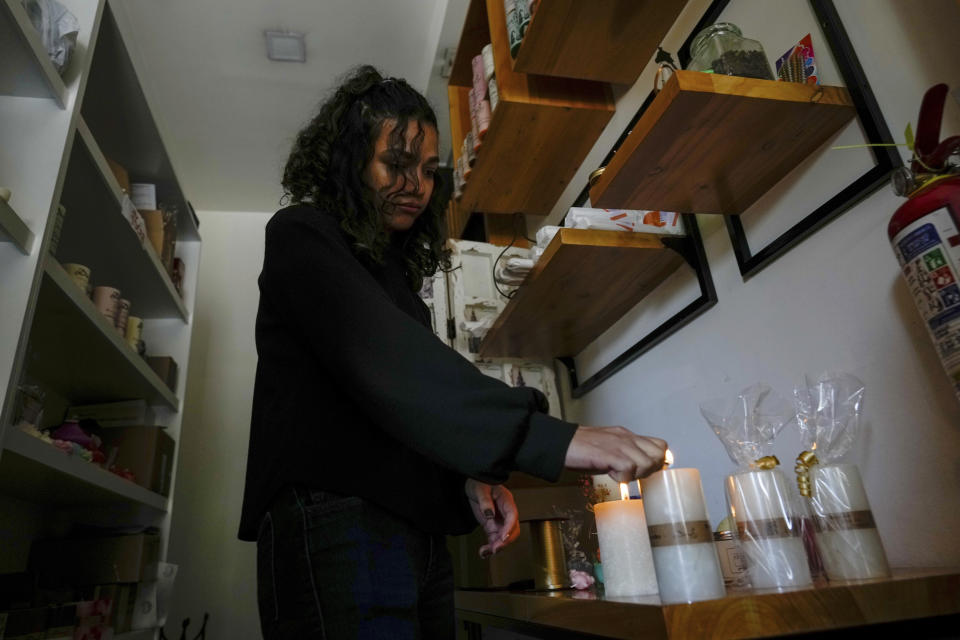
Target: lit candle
[769,536]
[847,536]
[682,543]
[625,547]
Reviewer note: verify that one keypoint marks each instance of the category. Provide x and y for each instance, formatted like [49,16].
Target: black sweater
[355,395]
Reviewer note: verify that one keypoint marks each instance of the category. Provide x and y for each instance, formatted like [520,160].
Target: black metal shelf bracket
[871,120]
[690,248]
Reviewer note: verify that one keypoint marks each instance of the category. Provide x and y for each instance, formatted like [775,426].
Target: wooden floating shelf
[610,41]
[711,143]
[13,229]
[26,70]
[103,240]
[584,282]
[908,596]
[36,471]
[82,356]
[540,131]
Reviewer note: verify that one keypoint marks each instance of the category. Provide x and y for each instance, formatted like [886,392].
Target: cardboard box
[166,368]
[85,561]
[24,624]
[146,451]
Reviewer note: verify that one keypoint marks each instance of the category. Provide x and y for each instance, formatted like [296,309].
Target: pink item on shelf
[581,579]
[71,432]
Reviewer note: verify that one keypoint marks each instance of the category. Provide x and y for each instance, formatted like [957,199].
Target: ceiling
[228,114]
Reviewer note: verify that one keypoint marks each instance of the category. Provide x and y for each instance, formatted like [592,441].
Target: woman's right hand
[618,451]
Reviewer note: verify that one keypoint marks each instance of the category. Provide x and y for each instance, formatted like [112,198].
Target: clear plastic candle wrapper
[829,417]
[760,495]
[681,538]
[625,547]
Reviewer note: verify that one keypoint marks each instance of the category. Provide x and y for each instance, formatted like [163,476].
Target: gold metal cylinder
[549,557]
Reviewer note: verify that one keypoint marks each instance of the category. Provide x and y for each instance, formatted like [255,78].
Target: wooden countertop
[909,594]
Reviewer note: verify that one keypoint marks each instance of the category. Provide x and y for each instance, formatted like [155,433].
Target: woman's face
[402,172]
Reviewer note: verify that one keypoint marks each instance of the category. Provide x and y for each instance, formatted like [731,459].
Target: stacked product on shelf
[483,98]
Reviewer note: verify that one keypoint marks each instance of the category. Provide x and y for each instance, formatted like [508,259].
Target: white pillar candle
[605,488]
[769,536]
[680,537]
[625,548]
[847,535]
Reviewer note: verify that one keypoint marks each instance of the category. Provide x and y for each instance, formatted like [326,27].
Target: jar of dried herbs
[721,48]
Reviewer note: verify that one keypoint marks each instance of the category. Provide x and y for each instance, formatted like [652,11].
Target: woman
[371,439]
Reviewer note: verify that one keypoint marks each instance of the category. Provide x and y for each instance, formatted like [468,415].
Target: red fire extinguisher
[925,230]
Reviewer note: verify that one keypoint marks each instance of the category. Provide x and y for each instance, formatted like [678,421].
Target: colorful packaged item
[799,64]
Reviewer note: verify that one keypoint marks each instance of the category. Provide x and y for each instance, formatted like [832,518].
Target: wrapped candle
[761,501]
[769,535]
[625,548]
[681,540]
[828,414]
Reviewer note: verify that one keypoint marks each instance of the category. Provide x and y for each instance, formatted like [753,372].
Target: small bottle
[721,48]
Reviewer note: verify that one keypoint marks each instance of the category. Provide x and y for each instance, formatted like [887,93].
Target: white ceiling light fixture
[285,46]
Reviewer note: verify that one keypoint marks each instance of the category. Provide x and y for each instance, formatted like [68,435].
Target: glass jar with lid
[721,48]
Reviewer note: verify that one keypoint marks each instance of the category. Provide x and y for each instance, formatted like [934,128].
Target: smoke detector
[286,46]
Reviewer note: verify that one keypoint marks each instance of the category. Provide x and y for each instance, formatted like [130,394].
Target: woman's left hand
[495,510]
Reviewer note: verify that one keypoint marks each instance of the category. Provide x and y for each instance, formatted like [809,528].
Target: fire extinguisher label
[929,255]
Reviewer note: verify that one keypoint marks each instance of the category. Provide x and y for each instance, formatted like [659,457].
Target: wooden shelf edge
[47,455]
[617,37]
[111,181]
[14,230]
[63,282]
[695,82]
[565,238]
[58,90]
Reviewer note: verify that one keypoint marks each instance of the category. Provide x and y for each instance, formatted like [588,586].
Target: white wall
[835,302]
[218,572]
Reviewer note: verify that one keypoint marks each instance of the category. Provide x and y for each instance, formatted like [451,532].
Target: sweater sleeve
[398,374]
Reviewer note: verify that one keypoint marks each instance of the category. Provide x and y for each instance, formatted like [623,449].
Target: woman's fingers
[615,450]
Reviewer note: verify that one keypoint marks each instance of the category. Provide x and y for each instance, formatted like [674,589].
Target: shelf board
[711,143]
[96,234]
[584,282]
[612,41]
[13,229]
[26,70]
[36,471]
[116,111]
[540,132]
[909,595]
[82,356]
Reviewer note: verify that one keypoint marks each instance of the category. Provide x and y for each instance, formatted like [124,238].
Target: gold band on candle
[677,533]
[766,529]
[845,521]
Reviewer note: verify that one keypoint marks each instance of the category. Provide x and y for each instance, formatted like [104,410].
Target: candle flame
[667,458]
[624,491]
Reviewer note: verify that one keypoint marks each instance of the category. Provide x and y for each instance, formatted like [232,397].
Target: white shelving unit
[56,134]
[13,229]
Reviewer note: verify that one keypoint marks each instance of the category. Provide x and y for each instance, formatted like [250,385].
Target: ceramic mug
[123,315]
[80,274]
[107,299]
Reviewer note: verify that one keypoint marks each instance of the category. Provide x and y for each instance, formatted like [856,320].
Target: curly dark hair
[326,165]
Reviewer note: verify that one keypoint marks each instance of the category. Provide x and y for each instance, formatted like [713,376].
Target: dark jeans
[335,567]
